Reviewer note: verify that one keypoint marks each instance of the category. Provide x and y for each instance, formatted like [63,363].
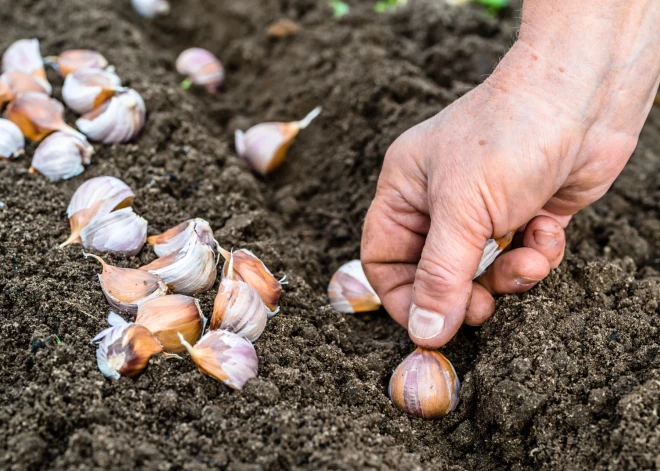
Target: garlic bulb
[74,59]
[169,316]
[124,349]
[121,231]
[24,56]
[12,142]
[61,156]
[174,239]
[151,8]
[493,248]
[189,271]
[127,289]
[201,68]
[248,268]
[118,120]
[224,356]
[96,197]
[425,385]
[265,145]
[13,83]
[349,290]
[86,89]
[38,115]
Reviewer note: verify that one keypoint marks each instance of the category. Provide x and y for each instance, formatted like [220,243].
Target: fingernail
[522,281]
[424,324]
[546,239]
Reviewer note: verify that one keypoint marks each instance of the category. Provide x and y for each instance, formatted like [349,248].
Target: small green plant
[339,8]
[493,7]
[383,6]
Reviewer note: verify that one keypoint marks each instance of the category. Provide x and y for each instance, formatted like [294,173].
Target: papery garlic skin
[349,290]
[225,356]
[120,231]
[119,120]
[61,156]
[265,145]
[12,142]
[86,89]
[175,238]
[238,308]
[425,385]
[201,67]
[74,59]
[169,316]
[24,56]
[38,115]
[13,83]
[493,248]
[151,8]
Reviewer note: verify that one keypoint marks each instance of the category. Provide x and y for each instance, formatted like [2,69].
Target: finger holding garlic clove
[12,142]
[201,68]
[121,231]
[493,248]
[61,156]
[13,83]
[151,8]
[74,59]
[425,385]
[24,56]
[38,115]
[349,290]
[265,145]
[174,239]
[225,356]
[86,89]
[118,120]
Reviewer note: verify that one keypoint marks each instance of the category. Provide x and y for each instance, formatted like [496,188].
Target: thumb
[443,280]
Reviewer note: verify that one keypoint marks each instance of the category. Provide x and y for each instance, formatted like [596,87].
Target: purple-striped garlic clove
[121,231]
[61,156]
[74,59]
[225,356]
[151,8]
[24,56]
[425,385]
[200,67]
[12,142]
[118,120]
[177,237]
[13,83]
[38,115]
[265,145]
[86,89]
[349,290]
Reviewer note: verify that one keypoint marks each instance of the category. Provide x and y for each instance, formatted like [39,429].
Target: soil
[564,377]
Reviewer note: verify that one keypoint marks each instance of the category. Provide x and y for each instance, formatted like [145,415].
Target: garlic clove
[151,8]
[248,268]
[127,289]
[61,156]
[201,68]
[118,120]
[225,356]
[13,83]
[86,89]
[38,115]
[349,290]
[12,143]
[425,385]
[493,248]
[124,349]
[24,56]
[74,59]
[121,231]
[174,239]
[168,316]
[190,271]
[265,145]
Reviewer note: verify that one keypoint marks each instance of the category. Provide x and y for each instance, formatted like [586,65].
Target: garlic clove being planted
[118,120]
[493,248]
[265,145]
[13,83]
[121,231]
[86,89]
[248,268]
[12,142]
[349,290]
[169,316]
[61,156]
[201,68]
[127,289]
[174,239]
[425,385]
[225,356]
[38,115]
[75,59]
[24,56]
[98,196]
[151,8]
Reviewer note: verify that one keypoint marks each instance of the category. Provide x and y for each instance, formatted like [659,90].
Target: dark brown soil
[565,377]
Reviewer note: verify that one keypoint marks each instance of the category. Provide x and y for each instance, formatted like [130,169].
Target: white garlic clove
[86,89]
[349,290]
[74,59]
[493,248]
[96,197]
[175,238]
[126,289]
[151,8]
[425,385]
[24,56]
[12,142]
[201,67]
[225,356]
[13,83]
[61,156]
[120,231]
[38,115]
[265,145]
[118,120]
[190,271]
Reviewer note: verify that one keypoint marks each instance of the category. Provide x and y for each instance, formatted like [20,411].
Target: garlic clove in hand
[38,115]
[86,89]
[127,289]
[121,231]
[349,290]
[13,83]
[225,356]
[168,316]
[425,385]
[265,145]
[493,248]
[174,239]
[61,156]
[201,68]
[151,8]
[74,59]
[12,142]
[24,56]
[118,120]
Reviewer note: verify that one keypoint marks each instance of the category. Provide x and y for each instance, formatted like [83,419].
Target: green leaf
[383,6]
[186,84]
[339,8]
